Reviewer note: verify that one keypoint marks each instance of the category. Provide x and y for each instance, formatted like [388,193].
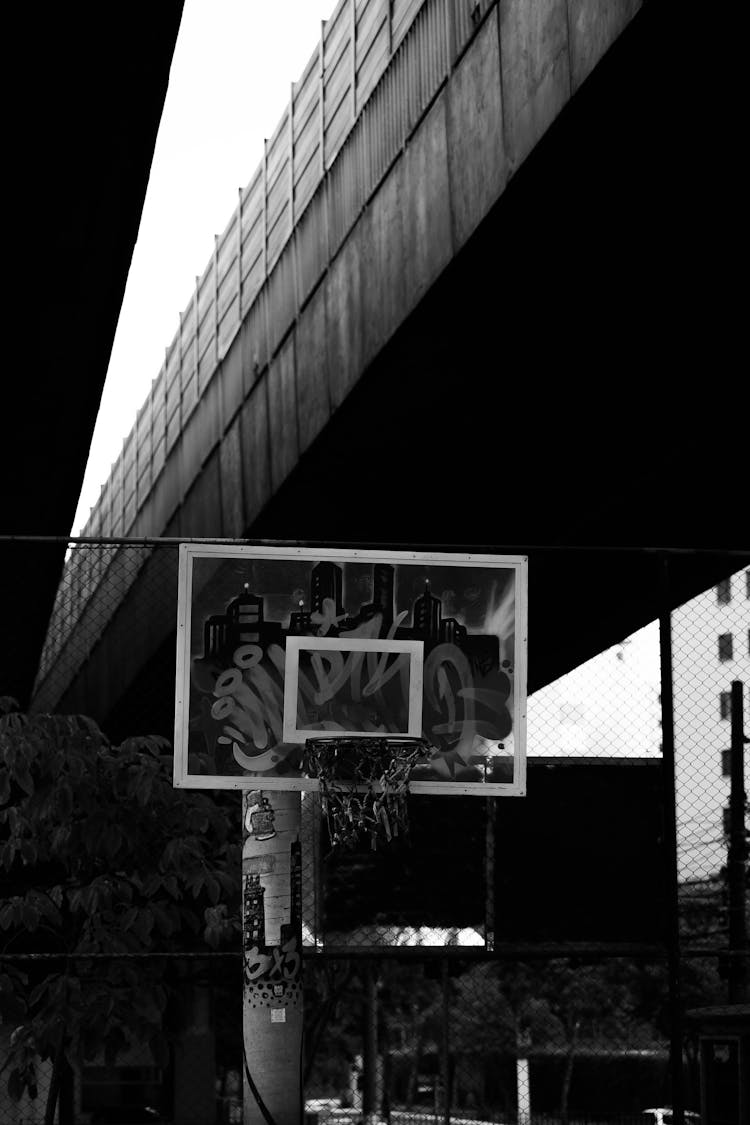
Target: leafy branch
[101,856]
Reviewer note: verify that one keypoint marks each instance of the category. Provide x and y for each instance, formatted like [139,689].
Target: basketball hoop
[364,783]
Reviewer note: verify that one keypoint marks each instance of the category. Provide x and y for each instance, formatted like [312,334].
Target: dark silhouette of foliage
[100,856]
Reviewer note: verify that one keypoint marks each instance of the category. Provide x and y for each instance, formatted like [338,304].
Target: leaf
[144,924]
[24,778]
[12,1008]
[8,854]
[190,920]
[15,1085]
[151,884]
[12,979]
[88,898]
[213,888]
[30,916]
[171,886]
[38,992]
[217,925]
[165,923]
[229,883]
[129,917]
[111,840]
[125,943]
[64,798]
[143,790]
[124,890]
[60,838]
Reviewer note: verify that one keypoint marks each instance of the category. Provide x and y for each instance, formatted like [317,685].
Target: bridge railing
[378,63]
[377,67]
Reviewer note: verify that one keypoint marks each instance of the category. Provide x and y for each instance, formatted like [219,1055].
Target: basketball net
[364,785]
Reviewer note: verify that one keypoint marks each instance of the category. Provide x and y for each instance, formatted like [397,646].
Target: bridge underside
[543,393]
[550,389]
[87,93]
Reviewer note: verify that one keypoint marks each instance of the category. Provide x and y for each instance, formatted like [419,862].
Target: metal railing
[377,66]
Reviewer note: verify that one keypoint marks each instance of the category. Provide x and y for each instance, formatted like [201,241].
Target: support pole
[739,992]
[370,1106]
[445,1046]
[272,958]
[670,842]
[523,1089]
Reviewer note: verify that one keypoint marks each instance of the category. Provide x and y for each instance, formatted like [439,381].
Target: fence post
[670,841]
[489,874]
[445,1068]
[370,1053]
[736,870]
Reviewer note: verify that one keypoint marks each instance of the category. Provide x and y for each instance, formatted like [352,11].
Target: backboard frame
[512,570]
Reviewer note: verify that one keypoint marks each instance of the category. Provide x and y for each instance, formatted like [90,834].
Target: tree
[495,1006]
[414,1002]
[327,989]
[101,856]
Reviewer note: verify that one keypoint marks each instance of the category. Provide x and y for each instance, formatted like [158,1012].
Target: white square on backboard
[295,645]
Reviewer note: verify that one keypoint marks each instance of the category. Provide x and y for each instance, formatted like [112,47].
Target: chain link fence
[534,962]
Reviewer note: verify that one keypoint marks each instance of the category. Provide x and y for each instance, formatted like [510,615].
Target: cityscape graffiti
[238,668]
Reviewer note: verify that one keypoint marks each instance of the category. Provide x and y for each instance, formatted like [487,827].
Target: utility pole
[739,953]
[272,958]
[670,850]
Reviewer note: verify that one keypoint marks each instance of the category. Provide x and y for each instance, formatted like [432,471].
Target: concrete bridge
[434,318]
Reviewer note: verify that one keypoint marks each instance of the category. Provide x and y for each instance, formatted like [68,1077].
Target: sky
[229,85]
[607,706]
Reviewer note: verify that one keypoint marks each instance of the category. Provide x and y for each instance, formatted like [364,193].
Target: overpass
[87,92]
[437,316]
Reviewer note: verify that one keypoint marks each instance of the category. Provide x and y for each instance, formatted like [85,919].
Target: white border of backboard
[189,551]
[293,647]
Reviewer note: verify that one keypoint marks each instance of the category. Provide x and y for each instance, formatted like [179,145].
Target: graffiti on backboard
[462,618]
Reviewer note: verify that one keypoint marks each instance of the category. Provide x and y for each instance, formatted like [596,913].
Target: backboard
[279,644]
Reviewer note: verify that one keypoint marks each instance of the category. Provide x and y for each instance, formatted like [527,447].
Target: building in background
[605,708]
[711,646]
[609,707]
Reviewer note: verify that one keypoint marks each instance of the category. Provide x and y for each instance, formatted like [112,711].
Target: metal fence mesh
[514,964]
[497,1041]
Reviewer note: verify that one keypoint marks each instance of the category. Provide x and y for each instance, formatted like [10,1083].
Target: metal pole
[489,874]
[736,858]
[272,958]
[670,842]
[370,1059]
[445,1045]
